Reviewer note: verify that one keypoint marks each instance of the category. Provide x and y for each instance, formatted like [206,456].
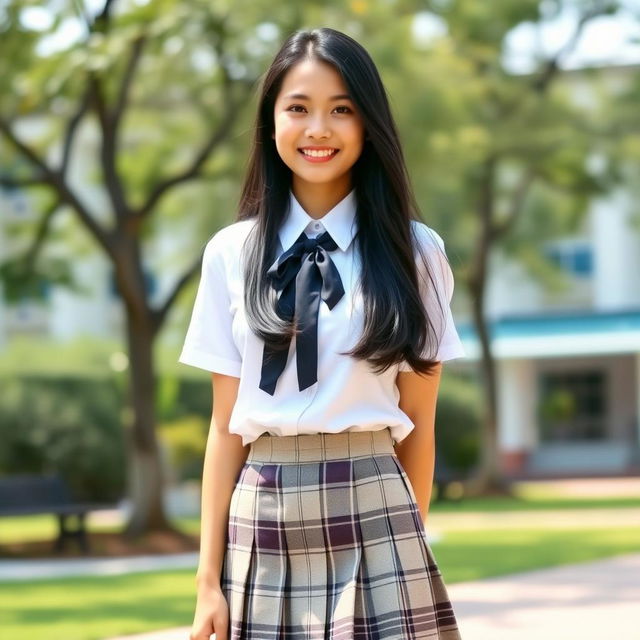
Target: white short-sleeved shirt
[348,395]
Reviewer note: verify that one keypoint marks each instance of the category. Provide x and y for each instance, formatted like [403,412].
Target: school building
[568,361]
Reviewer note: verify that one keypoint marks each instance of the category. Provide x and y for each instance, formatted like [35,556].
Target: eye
[294,108]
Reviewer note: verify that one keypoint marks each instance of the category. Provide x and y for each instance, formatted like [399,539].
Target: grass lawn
[44,527]
[472,555]
[97,608]
[531,504]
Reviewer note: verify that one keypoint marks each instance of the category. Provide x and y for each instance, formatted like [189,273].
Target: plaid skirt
[325,541]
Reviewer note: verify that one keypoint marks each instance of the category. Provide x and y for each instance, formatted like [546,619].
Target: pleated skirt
[325,541]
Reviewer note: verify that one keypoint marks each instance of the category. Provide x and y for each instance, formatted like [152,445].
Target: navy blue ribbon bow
[304,273]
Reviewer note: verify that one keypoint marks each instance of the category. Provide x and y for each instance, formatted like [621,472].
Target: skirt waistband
[314,447]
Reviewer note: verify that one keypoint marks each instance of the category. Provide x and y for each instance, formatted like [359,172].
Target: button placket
[310,393]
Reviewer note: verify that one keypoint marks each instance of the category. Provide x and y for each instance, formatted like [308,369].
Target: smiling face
[313,112]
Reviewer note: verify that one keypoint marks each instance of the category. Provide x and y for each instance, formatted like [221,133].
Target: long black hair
[396,324]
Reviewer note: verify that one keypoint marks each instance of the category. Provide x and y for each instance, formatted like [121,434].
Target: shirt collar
[340,222]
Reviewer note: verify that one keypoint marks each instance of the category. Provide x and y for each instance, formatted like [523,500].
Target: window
[572,406]
[577,259]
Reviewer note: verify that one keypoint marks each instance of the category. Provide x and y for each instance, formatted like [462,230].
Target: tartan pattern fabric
[325,541]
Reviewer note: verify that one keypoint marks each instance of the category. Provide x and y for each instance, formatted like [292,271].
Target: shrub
[458,423]
[64,425]
[185,440]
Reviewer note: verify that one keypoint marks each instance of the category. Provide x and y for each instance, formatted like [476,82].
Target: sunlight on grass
[100,607]
[530,502]
[37,527]
[96,608]
[472,555]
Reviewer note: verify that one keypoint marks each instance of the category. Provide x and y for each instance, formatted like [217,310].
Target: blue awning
[567,333]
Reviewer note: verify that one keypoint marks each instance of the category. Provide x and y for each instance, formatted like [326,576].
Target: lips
[320,158]
[302,149]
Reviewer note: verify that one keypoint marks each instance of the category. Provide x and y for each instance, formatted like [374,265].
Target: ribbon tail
[307,306]
[274,360]
[273,363]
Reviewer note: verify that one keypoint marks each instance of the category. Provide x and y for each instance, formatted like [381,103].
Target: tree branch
[18,183]
[102,20]
[485,207]
[501,228]
[542,81]
[127,78]
[216,137]
[71,129]
[194,170]
[540,85]
[31,255]
[112,180]
[159,315]
[56,180]
[108,120]
[551,68]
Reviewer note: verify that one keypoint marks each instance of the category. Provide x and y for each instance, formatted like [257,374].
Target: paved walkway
[587,601]
[30,570]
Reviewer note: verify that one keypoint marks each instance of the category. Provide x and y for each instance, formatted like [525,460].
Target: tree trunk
[145,473]
[489,480]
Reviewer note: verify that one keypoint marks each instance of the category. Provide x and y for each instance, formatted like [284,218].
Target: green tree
[159,87]
[499,159]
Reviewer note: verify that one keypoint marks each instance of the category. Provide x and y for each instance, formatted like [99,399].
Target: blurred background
[124,131]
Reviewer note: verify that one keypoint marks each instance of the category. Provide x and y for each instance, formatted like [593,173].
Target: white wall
[616,252]
[517,430]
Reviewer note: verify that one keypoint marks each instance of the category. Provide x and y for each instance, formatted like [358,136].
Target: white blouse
[348,395]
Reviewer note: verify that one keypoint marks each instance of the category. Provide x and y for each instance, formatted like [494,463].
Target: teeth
[317,154]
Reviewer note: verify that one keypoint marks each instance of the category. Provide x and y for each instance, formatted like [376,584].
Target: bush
[72,425]
[458,423]
[185,440]
[180,397]
[65,425]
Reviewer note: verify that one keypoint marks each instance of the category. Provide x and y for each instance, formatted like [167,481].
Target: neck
[318,199]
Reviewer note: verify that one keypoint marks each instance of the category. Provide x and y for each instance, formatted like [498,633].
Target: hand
[211,616]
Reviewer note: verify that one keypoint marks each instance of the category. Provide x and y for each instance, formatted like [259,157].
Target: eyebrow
[302,96]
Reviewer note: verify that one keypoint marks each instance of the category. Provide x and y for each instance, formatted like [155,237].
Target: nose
[317,128]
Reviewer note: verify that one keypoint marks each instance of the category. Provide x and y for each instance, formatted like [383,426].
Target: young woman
[323,314]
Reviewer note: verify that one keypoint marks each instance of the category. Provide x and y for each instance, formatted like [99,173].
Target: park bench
[29,494]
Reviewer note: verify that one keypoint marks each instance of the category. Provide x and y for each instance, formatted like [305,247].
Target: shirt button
[317,225]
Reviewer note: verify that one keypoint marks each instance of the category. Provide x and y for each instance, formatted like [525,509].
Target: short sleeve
[450,346]
[209,340]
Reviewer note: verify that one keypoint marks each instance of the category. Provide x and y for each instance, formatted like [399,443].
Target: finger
[204,633]
[221,629]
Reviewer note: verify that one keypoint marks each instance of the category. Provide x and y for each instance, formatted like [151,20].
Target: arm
[223,460]
[416,452]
